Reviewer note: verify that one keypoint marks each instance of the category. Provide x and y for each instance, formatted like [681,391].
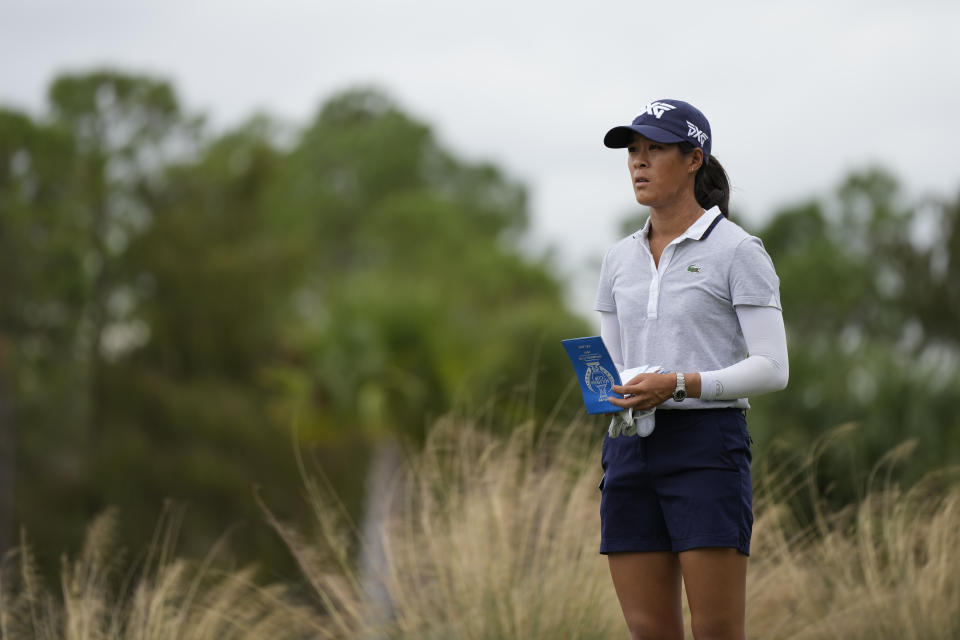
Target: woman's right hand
[645,391]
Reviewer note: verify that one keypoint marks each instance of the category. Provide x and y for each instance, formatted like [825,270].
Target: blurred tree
[868,297]
[41,289]
[70,206]
[419,293]
[124,128]
[419,297]
[189,296]
[932,273]
[213,277]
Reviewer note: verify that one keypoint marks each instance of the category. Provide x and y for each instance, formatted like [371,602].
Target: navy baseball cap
[667,121]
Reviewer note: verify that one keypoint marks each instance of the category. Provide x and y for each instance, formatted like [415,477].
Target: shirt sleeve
[753,280]
[605,300]
[610,334]
[765,369]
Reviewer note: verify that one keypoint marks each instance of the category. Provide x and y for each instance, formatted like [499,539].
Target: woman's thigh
[648,586]
[715,580]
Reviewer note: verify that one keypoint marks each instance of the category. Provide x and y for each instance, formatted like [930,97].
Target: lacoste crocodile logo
[695,268]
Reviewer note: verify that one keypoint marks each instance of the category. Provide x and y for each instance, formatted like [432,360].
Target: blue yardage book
[595,372]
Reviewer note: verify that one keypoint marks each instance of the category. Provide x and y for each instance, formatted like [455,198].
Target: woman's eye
[654,147]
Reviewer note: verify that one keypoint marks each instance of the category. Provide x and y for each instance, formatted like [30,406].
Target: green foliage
[43,294]
[418,294]
[867,299]
[175,302]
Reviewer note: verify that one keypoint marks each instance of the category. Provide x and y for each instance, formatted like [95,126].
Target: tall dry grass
[159,598]
[496,538]
[888,567]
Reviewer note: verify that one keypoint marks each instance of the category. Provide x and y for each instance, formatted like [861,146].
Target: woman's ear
[696,160]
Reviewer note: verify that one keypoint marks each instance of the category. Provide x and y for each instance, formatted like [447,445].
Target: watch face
[679,395]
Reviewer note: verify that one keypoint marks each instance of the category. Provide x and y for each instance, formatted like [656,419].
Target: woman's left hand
[645,391]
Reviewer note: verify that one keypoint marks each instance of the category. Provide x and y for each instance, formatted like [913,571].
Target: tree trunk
[381,473]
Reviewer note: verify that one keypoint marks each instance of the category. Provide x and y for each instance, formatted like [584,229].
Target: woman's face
[661,175]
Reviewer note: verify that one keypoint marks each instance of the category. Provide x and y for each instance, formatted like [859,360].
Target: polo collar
[699,230]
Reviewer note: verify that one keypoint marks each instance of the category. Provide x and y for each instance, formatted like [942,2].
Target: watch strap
[680,393]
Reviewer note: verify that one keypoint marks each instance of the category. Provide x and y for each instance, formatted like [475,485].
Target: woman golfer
[695,298]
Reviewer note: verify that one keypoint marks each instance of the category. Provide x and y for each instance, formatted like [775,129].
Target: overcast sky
[797,93]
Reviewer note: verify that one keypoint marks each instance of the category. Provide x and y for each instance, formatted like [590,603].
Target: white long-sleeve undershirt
[765,369]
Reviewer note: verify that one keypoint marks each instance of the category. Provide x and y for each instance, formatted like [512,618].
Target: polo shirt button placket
[653,303]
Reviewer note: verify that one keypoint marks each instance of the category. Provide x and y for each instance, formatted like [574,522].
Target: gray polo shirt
[681,314]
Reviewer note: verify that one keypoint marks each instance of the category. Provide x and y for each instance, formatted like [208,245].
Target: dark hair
[711,187]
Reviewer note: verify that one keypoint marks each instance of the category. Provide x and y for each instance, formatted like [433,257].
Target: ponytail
[711,187]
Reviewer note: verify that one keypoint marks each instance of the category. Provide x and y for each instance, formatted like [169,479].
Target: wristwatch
[681,391]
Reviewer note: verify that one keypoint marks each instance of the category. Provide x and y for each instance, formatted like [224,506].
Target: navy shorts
[684,486]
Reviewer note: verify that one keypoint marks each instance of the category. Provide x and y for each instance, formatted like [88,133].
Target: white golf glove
[629,421]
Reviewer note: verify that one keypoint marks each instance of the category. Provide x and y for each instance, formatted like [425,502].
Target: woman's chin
[642,195]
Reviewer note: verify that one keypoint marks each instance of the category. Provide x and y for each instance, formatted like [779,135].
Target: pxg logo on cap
[667,121]
[655,109]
